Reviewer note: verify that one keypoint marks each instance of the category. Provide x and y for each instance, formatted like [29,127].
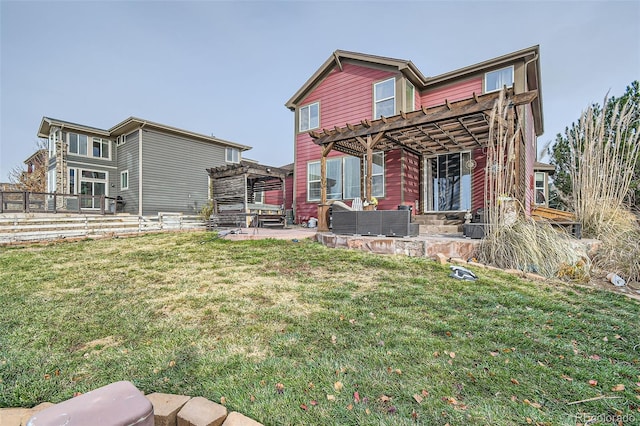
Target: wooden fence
[44,202]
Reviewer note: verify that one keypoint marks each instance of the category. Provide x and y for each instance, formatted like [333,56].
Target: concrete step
[440,229]
[434,222]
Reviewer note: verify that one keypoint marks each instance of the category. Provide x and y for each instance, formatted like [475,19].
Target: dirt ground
[631,289]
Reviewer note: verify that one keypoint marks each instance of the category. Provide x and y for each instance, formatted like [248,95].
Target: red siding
[275,196]
[345,97]
[412,181]
[452,92]
[393,169]
[477,180]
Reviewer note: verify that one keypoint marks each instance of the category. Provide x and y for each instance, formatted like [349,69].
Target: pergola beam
[447,134]
[469,131]
[401,144]
[429,116]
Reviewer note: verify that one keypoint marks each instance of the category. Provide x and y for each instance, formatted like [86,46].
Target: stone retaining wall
[423,246]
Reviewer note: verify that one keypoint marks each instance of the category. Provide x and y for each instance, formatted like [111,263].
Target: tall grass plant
[603,155]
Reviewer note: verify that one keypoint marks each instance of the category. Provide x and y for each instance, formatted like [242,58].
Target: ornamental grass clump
[511,240]
[536,247]
[603,152]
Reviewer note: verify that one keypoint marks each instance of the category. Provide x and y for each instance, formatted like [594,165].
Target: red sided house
[375,127]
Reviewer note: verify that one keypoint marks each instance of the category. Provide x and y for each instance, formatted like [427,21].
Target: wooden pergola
[452,127]
[234,186]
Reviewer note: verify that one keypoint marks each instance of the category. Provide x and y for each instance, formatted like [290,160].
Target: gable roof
[39,156]
[404,66]
[530,55]
[133,123]
[48,122]
[129,125]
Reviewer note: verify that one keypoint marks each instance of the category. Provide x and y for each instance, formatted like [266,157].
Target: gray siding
[127,159]
[174,172]
[89,165]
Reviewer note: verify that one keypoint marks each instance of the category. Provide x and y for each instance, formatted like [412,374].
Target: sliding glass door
[449,186]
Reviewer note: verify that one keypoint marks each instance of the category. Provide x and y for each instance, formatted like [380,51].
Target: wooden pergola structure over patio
[452,127]
[234,188]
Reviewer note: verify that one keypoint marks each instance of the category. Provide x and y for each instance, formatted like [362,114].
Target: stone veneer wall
[414,247]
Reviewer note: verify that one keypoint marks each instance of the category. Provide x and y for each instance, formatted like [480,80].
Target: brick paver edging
[168,410]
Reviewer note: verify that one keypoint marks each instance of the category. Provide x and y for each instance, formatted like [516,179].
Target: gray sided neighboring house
[152,167]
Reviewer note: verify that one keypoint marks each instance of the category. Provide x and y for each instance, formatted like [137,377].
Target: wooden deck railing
[44,202]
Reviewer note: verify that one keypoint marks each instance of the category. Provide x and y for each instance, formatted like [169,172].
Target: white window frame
[103,143]
[309,181]
[410,98]
[364,190]
[80,178]
[53,139]
[51,181]
[77,152]
[124,180]
[343,180]
[487,74]
[307,110]
[258,197]
[232,155]
[377,101]
[72,184]
[544,188]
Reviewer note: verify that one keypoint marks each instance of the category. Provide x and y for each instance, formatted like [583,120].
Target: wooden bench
[271,221]
[229,219]
[573,228]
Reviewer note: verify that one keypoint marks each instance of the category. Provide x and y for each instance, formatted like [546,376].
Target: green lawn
[295,333]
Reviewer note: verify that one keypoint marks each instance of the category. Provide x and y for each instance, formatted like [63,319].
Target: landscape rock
[166,407]
[13,416]
[236,419]
[200,411]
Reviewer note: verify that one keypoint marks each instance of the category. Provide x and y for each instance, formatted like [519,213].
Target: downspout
[140,168]
[526,64]
[63,169]
[528,202]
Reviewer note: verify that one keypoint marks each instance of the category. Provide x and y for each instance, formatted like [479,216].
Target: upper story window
[77,144]
[496,80]
[100,148]
[54,137]
[310,117]
[409,97]
[232,155]
[384,98]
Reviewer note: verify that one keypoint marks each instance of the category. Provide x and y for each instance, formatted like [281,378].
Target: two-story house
[368,126]
[150,166]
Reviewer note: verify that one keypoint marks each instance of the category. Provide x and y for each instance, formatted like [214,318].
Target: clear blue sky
[227,68]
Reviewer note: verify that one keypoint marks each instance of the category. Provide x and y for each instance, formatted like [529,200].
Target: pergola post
[369,175]
[284,200]
[369,144]
[246,201]
[323,207]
